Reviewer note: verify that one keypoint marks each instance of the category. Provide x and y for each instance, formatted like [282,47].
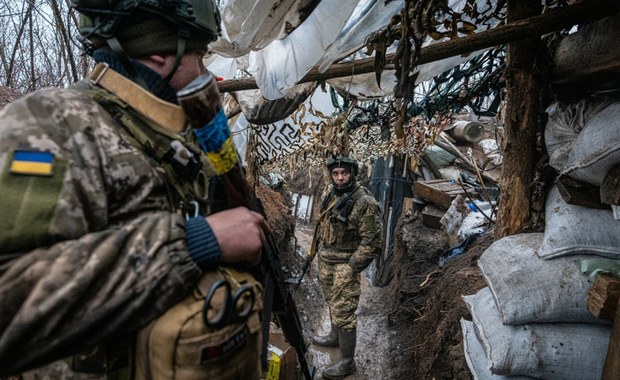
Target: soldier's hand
[240,234]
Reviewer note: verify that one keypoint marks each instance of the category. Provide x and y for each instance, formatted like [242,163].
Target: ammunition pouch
[179,345]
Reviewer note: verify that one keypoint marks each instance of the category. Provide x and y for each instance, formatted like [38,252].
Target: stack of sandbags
[583,142]
[532,318]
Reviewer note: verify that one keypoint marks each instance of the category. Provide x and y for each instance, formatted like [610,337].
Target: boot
[346,364]
[329,340]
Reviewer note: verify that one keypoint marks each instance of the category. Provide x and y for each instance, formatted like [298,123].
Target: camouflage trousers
[341,290]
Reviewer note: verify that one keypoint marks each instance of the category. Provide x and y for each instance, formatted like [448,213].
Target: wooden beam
[611,369]
[524,84]
[603,297]
[603,303]
[584,11]
[580,193]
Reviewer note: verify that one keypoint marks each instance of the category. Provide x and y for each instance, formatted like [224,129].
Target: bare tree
[39,45]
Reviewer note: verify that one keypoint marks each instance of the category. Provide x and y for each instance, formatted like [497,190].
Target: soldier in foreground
[348,235]
[102,215]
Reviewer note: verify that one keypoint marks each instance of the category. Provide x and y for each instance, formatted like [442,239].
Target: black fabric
[345,189]
[151,78]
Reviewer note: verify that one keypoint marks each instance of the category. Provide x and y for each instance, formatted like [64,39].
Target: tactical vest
[178,158]
[336,232]
[194,191]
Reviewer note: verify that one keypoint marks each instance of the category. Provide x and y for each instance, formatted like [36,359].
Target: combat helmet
[139,28]
[340,161]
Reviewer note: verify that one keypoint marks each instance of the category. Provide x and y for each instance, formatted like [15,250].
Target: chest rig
[186,170]
[340,211]
[338,231]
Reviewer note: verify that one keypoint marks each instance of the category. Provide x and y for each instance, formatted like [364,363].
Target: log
[603,303]
[603,297]
[580,193]
[441,191]
[559,19]
[524,85]
[611,369]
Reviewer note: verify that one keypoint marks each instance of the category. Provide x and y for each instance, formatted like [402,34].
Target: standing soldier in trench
[104,192]
[348,234]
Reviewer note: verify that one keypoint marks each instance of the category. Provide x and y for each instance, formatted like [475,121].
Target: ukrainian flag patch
[32,163]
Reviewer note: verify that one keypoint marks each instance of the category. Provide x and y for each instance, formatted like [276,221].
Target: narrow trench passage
[375,340]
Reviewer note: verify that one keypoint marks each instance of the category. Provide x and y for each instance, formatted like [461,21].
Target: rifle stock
[201,103]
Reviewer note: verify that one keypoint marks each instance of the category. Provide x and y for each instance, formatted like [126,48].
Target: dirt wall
[427,303]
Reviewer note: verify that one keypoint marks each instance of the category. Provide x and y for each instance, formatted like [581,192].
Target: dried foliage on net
[421,22]
[365,142]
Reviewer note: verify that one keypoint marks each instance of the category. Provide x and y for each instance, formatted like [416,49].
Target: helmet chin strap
[161,86]
[116,47]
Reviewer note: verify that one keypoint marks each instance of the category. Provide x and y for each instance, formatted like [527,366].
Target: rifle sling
[315,235]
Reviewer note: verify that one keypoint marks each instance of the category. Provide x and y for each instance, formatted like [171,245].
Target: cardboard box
[281,358]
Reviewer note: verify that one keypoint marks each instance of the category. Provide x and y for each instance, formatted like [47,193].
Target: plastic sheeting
[258,110]
[282,63]
[253,32]
[368,17]
[251,24]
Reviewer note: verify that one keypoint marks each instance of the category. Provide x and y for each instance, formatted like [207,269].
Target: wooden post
[611,369]
[524,88]
[603,303]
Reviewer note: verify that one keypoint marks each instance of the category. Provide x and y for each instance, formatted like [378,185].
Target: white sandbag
[574,230]
[529,289]
[597,148]
[475,357]
[565,123]
[549,351]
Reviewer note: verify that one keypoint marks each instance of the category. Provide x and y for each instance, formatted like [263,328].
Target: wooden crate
[441,191]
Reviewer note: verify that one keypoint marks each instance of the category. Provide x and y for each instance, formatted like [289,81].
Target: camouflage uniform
[92,251]
[345,250]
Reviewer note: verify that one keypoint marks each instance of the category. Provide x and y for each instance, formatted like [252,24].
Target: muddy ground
[409,329]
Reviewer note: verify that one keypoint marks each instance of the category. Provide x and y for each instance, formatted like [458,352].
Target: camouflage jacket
[90,246]
[355,240]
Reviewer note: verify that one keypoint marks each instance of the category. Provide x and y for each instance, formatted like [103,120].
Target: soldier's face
[190,67]
[341,176]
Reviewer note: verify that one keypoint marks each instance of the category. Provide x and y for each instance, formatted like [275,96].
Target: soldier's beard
[339,190]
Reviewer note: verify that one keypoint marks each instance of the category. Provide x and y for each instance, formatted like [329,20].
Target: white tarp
[267,39]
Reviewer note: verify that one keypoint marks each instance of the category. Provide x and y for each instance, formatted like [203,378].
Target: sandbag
[597,148]
[575,230]
[529,289]
[565,123]
[549,351]
[475,357]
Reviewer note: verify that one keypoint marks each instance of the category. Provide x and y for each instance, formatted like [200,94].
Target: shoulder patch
[27,162]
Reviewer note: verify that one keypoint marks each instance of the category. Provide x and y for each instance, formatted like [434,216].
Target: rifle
[201,102]
[315,240]
[314,246]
